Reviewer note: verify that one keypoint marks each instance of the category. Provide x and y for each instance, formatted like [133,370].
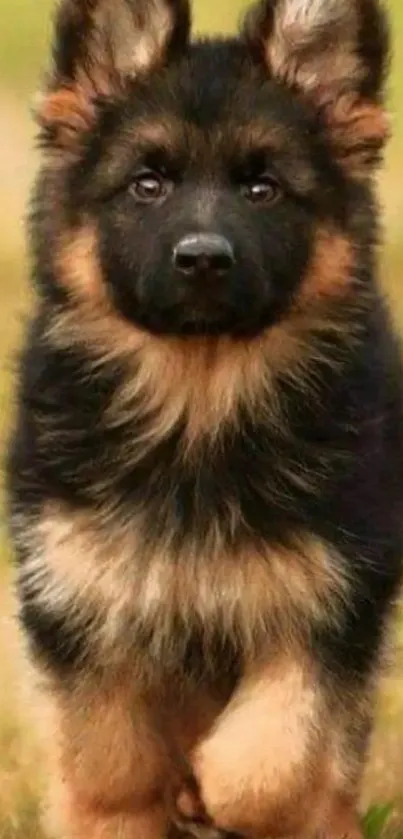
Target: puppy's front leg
[109,768]
[266,768]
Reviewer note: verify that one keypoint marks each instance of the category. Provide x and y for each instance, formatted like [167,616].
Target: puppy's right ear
[100,45]
[333,53]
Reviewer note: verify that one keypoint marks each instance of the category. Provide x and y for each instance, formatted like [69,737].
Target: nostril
[185,262]
[221,262]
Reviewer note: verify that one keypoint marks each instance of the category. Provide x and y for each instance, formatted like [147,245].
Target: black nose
[203,253]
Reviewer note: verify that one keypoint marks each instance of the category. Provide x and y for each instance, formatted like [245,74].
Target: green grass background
[24,35]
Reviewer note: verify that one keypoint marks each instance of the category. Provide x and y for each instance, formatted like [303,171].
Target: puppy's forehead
[228,142]
[217,84]
[213,110]
[224,144]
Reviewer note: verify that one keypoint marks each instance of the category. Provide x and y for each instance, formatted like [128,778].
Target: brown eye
[262,190]
[149,187]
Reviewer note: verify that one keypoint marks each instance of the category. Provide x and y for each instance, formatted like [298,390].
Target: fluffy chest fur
[137,544]
[154,602]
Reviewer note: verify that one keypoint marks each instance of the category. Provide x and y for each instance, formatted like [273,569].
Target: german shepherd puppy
[206,475]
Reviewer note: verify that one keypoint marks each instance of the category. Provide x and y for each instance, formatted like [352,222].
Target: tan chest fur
[82,568]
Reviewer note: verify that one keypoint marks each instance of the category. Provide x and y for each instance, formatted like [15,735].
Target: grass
[24,35]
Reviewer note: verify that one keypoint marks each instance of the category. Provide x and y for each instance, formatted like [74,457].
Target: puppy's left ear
[335,54]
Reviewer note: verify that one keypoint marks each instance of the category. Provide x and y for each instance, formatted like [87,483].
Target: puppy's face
[205,171]
[204,198]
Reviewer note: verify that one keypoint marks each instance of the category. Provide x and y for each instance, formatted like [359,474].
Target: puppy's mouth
[206,317]
[203,321]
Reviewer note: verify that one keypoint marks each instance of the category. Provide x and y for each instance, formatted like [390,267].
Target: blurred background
[24,37]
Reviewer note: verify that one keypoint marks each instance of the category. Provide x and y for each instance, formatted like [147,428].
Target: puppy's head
[202,188]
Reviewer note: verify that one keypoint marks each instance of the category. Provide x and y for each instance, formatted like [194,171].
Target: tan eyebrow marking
[278,139]
[162,134]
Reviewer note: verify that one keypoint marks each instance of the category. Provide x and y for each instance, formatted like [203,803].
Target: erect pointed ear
[335,53]
[100,44]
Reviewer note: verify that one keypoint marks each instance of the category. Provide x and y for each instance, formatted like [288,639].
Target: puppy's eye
[263,190]
[150,187]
